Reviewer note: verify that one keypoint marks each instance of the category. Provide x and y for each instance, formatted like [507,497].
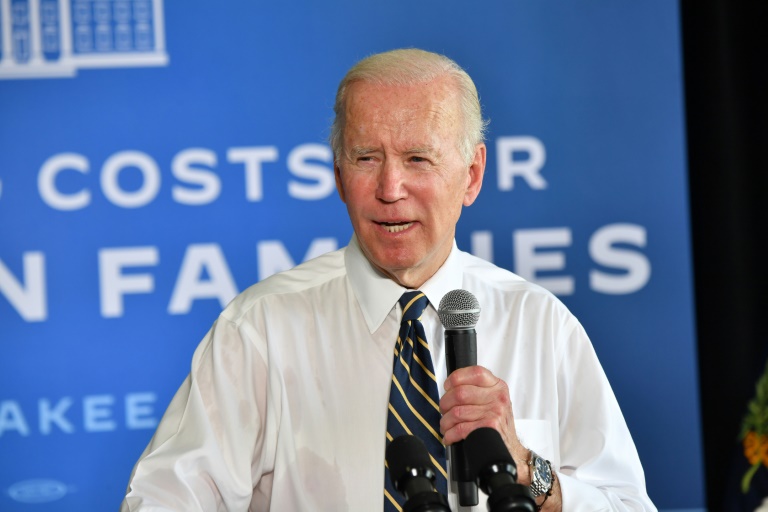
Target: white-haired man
[289,403]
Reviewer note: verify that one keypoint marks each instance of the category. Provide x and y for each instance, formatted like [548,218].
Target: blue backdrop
[157,159]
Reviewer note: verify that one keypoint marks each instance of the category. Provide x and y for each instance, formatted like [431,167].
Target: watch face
[541,471]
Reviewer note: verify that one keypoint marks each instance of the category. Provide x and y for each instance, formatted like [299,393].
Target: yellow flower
[756,448]
[754,431]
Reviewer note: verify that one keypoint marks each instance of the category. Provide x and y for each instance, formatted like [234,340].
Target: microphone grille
[459,309]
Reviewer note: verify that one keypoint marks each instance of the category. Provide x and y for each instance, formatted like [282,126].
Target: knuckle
[461,412]
[462,394]
[500,402]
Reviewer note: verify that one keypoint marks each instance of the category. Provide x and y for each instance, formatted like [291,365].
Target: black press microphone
[459,312]
[412,474]
[490,460]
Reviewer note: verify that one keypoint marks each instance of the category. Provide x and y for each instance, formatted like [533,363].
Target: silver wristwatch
[541,475]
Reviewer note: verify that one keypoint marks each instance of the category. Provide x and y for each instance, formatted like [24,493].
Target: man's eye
[418,159]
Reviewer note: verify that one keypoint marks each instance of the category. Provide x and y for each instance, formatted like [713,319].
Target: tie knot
[413,304]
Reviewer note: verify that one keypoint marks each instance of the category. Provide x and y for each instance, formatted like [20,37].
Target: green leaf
[748,477]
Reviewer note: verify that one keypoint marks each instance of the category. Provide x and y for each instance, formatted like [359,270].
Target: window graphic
[55,38]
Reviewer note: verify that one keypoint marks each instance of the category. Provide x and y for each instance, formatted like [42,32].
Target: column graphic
[55,38]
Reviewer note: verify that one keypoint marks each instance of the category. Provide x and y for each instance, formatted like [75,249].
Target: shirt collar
[377,294]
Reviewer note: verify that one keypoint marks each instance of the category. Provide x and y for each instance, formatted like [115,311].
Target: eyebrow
[361,150]
[357,151]
[421,149]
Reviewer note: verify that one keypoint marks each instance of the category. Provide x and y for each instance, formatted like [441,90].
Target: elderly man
[295,393]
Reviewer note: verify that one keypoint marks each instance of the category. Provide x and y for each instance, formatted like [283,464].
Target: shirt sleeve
[207,452]
[599,465]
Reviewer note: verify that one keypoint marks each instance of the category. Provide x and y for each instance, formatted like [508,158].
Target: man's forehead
[410,119]
[434,98]
[403,110]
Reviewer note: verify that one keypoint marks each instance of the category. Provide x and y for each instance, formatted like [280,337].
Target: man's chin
[389,265]
[389,268]
[405,272]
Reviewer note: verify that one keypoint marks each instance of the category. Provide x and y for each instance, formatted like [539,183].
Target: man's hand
[474,398]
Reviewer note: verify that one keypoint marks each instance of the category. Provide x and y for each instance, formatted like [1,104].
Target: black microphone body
[412,474]
[459,312]
[460,348]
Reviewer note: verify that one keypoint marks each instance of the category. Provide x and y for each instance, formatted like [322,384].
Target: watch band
[540,483]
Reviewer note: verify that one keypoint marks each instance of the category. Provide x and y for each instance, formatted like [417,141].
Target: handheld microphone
[459,312]
[412,474]
[496,471]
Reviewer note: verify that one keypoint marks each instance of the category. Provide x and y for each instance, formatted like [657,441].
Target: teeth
[396,228]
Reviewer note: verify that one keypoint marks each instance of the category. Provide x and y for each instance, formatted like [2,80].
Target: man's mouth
[395,227]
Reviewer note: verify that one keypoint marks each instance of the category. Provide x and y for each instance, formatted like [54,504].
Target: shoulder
[301,280]
[524,319]
[487,275]
[510,296]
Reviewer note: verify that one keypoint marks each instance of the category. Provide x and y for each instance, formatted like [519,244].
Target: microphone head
[407,456]
[485,447]
[459,309]
[489,459]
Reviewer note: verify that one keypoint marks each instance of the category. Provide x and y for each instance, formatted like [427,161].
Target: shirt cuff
[578,496]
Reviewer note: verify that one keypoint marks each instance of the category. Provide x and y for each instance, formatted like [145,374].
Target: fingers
[475,398]
[461,421]
[494,398]
[471,375]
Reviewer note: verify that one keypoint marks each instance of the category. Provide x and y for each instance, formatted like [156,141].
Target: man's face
[402,176]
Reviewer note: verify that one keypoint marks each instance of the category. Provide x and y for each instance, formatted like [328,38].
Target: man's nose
[391,184]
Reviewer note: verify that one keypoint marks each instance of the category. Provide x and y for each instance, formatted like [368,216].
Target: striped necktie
[413,396]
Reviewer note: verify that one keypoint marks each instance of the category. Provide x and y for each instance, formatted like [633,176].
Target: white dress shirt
[285,407]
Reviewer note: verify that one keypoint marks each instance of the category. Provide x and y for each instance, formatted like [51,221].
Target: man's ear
[475,175]
[337,175]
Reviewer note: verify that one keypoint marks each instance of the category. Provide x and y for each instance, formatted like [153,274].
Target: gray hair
[409,67]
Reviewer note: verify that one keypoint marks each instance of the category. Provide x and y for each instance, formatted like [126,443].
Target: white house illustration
[55,38]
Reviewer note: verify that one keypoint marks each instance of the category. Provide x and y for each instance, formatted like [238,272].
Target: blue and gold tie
[413,397]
